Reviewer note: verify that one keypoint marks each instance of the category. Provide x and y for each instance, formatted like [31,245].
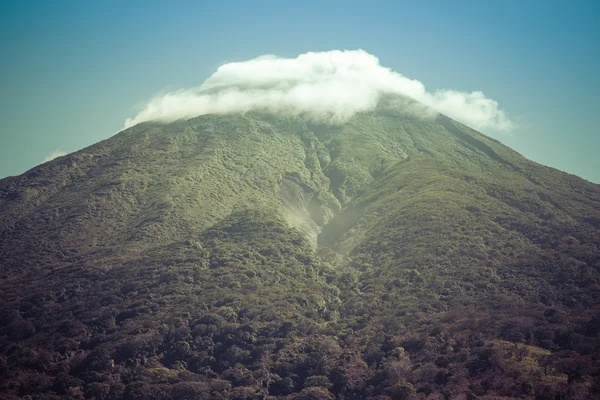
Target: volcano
[266,256]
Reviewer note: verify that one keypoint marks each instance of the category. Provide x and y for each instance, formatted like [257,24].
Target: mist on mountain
[327,87]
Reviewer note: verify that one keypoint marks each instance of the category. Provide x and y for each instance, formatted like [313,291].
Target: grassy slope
[165,263]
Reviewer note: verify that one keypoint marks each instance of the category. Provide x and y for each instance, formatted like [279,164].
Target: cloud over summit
[327,87]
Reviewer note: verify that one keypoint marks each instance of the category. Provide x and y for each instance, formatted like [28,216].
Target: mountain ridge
[398,255]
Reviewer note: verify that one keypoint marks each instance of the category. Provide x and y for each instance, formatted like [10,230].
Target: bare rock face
[261,256]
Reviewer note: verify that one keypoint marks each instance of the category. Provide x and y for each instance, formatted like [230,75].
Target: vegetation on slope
[257,256]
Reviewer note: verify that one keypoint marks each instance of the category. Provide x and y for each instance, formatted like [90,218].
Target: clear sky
[71,72]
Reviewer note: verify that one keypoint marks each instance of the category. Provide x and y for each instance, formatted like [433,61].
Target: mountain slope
[395,256]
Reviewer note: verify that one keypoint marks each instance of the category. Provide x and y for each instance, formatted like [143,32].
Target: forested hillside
[258,256]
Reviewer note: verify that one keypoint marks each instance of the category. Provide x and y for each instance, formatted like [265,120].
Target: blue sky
[71,72]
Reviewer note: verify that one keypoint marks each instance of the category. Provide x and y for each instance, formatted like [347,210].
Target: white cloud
[326,87]
[55,154]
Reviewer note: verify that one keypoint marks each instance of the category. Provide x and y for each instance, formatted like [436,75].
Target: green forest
[263,257]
